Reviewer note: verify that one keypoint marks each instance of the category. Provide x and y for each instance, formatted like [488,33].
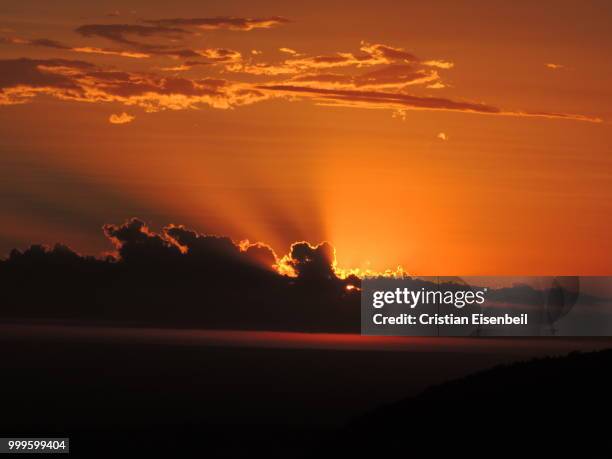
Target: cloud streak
[47,43]
[122,33]
[389,100]
[222,23]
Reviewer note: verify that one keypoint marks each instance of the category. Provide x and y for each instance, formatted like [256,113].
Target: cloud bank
[182,278]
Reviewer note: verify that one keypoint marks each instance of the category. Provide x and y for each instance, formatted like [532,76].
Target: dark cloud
[47,43]
[385,98]
[260,254]
[178,277]
[136,244]
[132,36]
[167,29]
[181,278]
[403,101]
[37,73]
[222,22]
[218,250]
[121,33]
[23,79]
[312,262]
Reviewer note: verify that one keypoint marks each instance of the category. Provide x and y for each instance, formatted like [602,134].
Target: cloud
[120,33]
[376,76]
[261,68]
[436,85]
[212,55]
[390,99]
[124,34]
[187,65]
[46,43]
[121,118]
[179,277]
[218,249]
[310,261]
[369,55]
[384,88]
[396,100]
[259,254]
[220,54]
[136,243]
[222,22]
[23,79]
[439,64]
[173,31]
[388,53]
[388,77]
[288,51]
[392,67]
[109,52]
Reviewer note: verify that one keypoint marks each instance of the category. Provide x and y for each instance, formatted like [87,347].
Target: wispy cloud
[222,22]
[46,43]
[394,101]
[122,33]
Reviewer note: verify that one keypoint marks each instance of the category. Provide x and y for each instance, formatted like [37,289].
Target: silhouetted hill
[547,407]
[154,397]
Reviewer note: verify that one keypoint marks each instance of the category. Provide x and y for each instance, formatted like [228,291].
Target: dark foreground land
[552,407]
[220,401]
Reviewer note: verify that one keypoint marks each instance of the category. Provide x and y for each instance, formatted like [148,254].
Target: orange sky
[335,137]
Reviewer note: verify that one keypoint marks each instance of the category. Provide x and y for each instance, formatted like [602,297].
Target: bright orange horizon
[446,139]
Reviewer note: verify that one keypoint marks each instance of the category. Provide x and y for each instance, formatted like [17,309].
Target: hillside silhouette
[156,398]
[551,407]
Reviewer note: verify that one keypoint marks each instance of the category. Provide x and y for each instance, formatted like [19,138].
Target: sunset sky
[468,139]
